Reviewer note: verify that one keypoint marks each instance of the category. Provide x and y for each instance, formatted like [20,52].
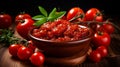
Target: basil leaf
[56,15]
[43,11]
[52,13]
[37,17]
[40,21]
[52,18]
[60,14]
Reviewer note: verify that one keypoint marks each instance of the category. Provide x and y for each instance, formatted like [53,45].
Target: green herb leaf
[52,18]
[56,15]
[43,11]
[60,14]
[6,36]
[37,17]
[40,21]
[52,13]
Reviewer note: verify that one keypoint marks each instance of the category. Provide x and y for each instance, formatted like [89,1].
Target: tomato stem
[81,16]
[21,21]
[100,33]
[97,14]
[23,12]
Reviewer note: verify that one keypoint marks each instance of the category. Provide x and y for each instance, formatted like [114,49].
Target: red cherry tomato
[75,12]
[30,45]
[101,39]
[22,16]
[96,27]
[37,58]
[99,18]
[109,28]
[93,14]
[24,26]
[13,49]
[102,50]
[95,56]
[5,21]
[24,53]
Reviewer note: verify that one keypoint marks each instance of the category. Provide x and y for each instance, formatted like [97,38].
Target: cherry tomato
[101,39]
[37,58]
[22,16]
[24,26]
[30,45]
[102,50]
[75,12]
[95,56]
[5,21]
[93,14]
[24,53]
[109,28]
[99,18]
[13,49]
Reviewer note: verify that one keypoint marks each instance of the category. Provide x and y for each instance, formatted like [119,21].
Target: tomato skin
[22,16]
[24,26]
[101,39]
[109,28]
[73,12]
[99,18]
[37,58]
[95,56]
[5,21]
[24,53]
[91,15]
[13,49]
[30,45]
[102,50]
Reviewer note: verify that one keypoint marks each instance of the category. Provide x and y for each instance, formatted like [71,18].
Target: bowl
[63,49]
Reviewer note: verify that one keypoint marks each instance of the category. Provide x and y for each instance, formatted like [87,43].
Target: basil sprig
[44,17]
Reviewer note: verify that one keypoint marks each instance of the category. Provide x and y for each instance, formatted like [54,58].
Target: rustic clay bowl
[63,49]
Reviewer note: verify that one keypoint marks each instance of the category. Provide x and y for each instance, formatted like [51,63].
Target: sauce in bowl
[61,31]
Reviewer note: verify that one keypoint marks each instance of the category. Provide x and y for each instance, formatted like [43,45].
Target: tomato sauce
[60,30]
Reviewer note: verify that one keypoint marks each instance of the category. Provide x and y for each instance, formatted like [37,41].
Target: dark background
[14,7]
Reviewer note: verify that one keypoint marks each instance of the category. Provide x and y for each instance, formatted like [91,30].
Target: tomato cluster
[77,13]
[23,21]
[27,53]
[102,30]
